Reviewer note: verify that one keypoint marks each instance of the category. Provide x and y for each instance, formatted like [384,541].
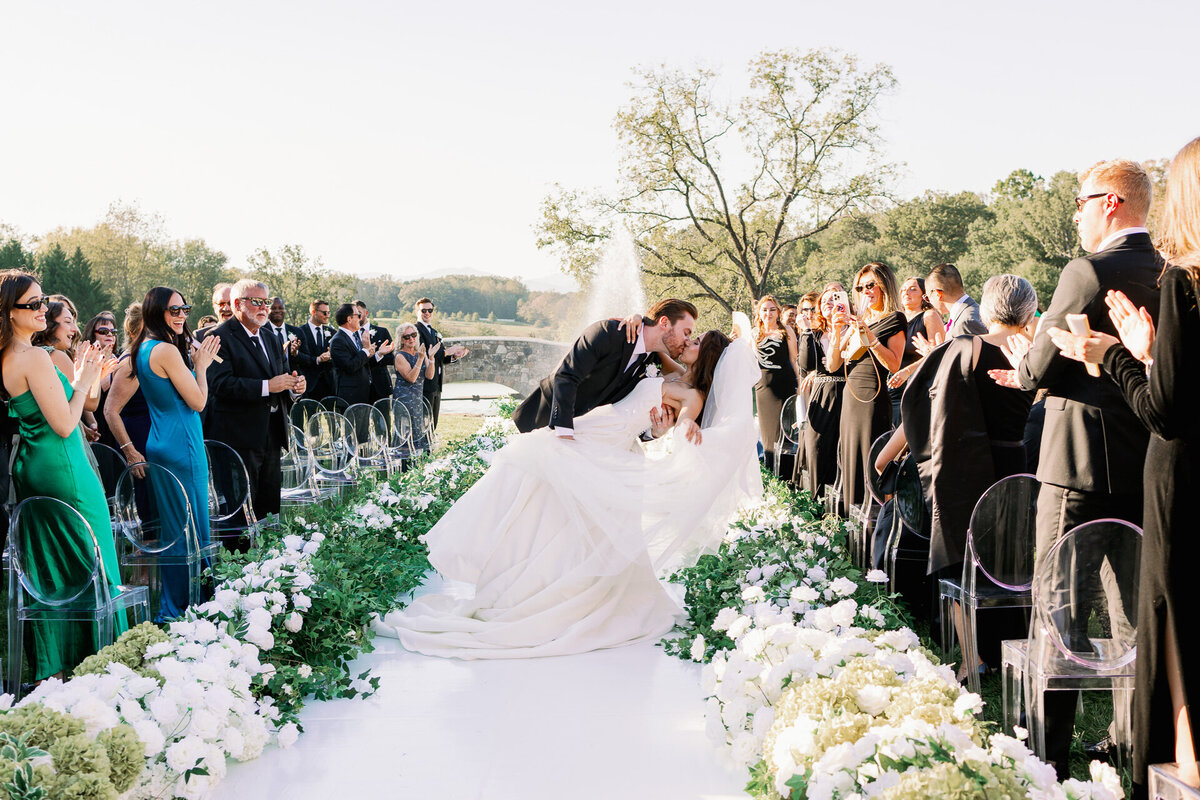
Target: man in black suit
[352,353]
[251,393]
[288,336]
[312,357]
[381,379]
[1093,446]
[602,366]
[944,288]
[432,388]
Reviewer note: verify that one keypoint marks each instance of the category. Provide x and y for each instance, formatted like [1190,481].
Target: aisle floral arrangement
[159,713]
[817,686]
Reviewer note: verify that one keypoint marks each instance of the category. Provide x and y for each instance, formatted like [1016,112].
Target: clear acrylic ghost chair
[909,539]
[230,508]
[298,485]
[427,426]
[304,408]
[791,430]
[1167,784]
[878,490]
[371,439]
[109,466]
[403,440]
[997,565]
[1082,635]
[156,532]
[334,403]
[330,441]
[60,584]
[833,491]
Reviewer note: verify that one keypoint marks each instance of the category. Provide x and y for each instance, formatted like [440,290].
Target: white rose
[877,576]
[738,627]
[725,618]
[697,651]
[744,749]
[753,594]
[287,735]
[294,622]
[804,594]
[873,699]
[260,637]
[843,586]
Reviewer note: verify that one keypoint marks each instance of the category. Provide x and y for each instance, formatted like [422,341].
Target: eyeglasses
[36,304]
[428,310]
[807,310]
[866,287]
[1080,202]
[222,303]
[105,331]
[257,302]
[409,336]
[179,311]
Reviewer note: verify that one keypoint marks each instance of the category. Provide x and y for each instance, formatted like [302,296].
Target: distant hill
[540,283]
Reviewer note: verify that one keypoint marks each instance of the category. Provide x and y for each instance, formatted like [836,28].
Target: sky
[406,138]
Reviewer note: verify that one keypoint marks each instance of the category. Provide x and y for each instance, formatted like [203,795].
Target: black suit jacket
[429,337]
[591,374]
[350,368]
[1092,441]
[318,377]
[238,414]
[381,379]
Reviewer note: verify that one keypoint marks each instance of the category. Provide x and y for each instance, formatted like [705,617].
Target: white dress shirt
[1112,237]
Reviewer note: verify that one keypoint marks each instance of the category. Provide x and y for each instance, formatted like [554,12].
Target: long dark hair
[13,284]
[154,326]
[712,344]
[89,330]
[46,336]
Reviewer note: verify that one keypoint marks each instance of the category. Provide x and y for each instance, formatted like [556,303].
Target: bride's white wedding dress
[563,541]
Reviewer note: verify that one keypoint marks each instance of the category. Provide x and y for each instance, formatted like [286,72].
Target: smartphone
[840,302]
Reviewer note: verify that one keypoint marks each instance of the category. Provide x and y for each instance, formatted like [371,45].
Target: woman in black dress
[101,330]
[1167,656]
[866,407]
[823,392]
[776,348]
[922,319]
[125,408]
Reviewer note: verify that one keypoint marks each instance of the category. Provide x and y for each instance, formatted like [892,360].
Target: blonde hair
[1128,179]
[1179,239]
[133,324]
[761,333]
[886,279]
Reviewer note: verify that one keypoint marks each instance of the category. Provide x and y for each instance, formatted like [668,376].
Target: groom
[602,367]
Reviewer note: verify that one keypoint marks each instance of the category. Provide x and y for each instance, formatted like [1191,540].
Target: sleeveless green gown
[52,466]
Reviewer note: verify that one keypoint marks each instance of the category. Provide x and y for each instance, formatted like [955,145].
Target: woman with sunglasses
[776,349]
[51,461]
[101,331]
[417,365]
[822,390]
[923,320]
[175,385]
[866,408]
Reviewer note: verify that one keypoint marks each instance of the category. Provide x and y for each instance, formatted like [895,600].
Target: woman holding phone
[878,327]
[822,388]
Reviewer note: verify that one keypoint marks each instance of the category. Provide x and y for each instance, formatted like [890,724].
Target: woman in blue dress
[175,395]
[414,366]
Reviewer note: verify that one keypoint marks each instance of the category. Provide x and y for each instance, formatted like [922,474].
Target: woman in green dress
[51,461]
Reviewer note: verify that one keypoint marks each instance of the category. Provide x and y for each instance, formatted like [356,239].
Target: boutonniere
[651,370]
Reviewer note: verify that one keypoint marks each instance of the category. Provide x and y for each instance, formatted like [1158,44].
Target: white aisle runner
[620,724]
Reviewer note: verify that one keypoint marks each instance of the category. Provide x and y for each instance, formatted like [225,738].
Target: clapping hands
[1135,325]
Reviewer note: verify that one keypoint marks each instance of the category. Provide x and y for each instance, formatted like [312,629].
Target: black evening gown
[910,356]
[1170,549]
[777,384]
[866,410]
[824,417]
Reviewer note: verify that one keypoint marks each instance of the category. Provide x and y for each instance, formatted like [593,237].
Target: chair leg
[947,625]
[970,643]
[16,633]
[1011,697]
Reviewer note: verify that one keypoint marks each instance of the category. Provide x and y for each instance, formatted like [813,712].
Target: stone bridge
[512,361]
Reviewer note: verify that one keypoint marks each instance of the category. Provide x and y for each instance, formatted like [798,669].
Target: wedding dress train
[563,541]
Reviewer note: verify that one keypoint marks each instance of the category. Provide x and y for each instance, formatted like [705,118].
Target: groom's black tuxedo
[591,374]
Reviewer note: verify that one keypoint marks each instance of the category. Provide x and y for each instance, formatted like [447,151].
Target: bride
[558,548]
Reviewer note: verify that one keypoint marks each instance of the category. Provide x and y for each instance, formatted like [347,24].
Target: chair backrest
[158,519]
[109,466]
[910,498]
[402,428]
[1002,532]
[370,430]
[334,403]
[54,553]
[304,408]
[331,442]
[228,482]
[879,485]
[790,420]
[1085,593]
[295,467]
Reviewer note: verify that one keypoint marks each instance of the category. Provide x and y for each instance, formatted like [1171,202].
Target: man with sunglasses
[251,392]
[444,355]
[1093,447]
[313,358]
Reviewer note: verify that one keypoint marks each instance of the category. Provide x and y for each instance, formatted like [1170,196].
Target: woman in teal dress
[51,461]
[175,395]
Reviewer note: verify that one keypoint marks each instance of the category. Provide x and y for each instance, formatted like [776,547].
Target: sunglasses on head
[866,287]
[179,311]
[36,304]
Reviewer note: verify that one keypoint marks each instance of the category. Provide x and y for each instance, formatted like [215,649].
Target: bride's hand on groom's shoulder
[631,325]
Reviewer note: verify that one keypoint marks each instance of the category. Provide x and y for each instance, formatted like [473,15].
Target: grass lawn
[452,427]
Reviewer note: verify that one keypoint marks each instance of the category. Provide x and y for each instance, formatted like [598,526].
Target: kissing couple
[560,546]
